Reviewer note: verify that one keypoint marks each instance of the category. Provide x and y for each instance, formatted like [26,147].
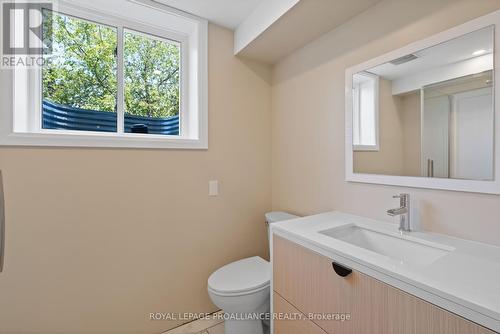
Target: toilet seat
[241,277]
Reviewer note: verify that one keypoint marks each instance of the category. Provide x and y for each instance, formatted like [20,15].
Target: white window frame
[355,89]
[151,19]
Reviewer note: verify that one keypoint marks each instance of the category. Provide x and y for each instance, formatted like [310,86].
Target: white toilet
[242,289]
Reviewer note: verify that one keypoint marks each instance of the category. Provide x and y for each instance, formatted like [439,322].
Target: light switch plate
[213,188]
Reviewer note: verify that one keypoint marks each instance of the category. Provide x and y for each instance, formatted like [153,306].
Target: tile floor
[202,326]
[217,329]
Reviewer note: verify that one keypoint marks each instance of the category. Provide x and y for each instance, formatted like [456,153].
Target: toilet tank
[276,216]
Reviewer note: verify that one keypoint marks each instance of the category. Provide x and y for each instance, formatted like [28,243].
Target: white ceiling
[227,13]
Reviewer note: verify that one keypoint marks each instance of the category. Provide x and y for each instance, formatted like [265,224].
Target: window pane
[79,77]
[152,84]
[367,112]
[355,115]
[364,110]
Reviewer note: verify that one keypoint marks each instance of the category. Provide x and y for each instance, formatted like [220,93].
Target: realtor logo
[24,39]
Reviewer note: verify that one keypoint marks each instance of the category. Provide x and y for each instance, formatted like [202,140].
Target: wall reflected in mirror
[428,114]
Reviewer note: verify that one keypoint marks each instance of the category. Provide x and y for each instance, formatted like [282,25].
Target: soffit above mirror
[299,25]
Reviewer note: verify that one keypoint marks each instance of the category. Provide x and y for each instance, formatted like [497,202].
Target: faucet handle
[404,199]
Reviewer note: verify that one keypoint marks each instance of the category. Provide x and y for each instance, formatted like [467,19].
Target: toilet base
[243,327]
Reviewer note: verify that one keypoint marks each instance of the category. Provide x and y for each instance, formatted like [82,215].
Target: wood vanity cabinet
[305,281]
[290,325]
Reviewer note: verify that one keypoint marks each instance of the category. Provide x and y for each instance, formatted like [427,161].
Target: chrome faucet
[403,212]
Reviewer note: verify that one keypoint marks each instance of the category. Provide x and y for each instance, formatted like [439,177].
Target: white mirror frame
[489,187]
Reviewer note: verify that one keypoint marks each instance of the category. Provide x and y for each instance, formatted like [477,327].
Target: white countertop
[466,281]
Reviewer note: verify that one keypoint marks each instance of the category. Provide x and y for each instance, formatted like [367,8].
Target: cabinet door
[291,320]
[412,315]
[307,280]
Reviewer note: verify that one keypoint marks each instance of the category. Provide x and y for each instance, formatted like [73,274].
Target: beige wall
[308,94]
[96,239]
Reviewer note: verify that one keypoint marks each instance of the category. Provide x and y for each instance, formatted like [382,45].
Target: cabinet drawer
[289,326]
[307,280]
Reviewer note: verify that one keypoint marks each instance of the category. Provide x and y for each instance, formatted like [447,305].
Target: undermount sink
[401,248]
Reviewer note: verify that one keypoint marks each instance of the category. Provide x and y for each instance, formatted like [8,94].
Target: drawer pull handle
[341,270]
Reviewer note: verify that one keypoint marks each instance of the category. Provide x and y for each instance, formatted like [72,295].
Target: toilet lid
[241,276]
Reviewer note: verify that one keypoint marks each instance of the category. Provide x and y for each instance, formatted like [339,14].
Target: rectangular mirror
[426,112]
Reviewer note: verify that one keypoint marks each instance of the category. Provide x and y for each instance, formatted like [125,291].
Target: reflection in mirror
[429,113]
[365,111]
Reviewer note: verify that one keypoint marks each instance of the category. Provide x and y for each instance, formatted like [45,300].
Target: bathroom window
[111,81]
[365,112]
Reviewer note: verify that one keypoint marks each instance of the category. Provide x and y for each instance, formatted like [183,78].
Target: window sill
[367,148]
[111,140]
